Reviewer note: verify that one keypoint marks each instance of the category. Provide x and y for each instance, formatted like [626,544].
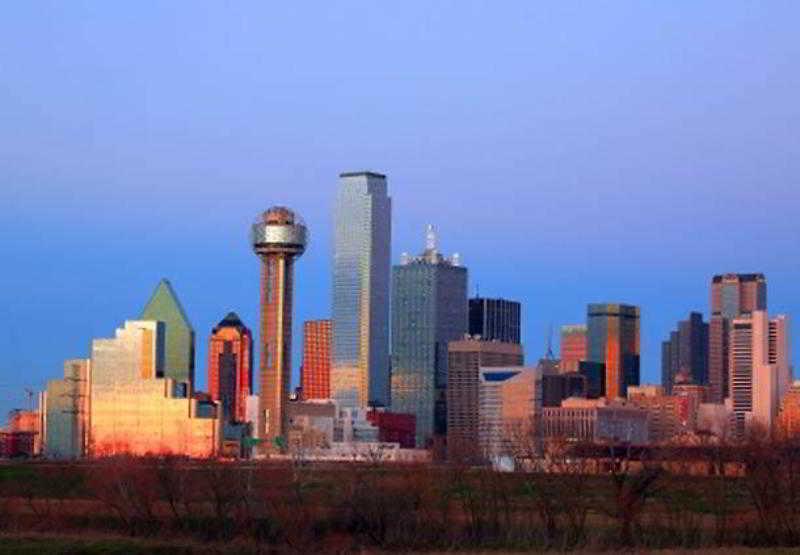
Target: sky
[571,152]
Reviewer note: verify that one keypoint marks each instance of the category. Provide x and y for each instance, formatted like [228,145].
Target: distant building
[595,421]
[361,260]
[495,319]
[758,368]
[732,296]
[686,352]
[315,374]
[574,347]
[394,427]
[465,359]
[595,374]
[613,335]
[510,402]
[671,416]
[67,412]
[165,307]
[230,367]
[134,410]
[789,416]
[558,387]
[429,309]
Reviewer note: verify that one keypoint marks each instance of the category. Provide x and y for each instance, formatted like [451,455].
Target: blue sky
[571,152]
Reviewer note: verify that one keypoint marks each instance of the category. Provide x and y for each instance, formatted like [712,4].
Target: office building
[732,296]
[789,416]
[361,261]
[595,421]
[230,367]
[759,369]
[686,353]
[613,340]
[429,309]
[509,405]
[574,348]
[464,360]
[67,412]
[165,307]
[278,238]
[558,387]
[315,374]
[134,410]
[495,319]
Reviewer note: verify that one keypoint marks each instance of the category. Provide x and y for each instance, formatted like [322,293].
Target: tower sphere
[278,230]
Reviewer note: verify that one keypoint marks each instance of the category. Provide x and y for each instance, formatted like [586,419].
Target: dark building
[230,367]
[613,340]
[394,427]
[464,361]
[557,387]
[595,374]
[732,296]
[495,319]
[686,352]
[429,309]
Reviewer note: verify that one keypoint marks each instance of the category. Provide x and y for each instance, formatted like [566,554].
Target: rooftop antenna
[549,354]
[29,393]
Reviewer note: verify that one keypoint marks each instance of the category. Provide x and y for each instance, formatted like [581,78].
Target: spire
[430,238]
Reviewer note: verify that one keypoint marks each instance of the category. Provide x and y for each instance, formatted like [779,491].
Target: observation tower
[278,237]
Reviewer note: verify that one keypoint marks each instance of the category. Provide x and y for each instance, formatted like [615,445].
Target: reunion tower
[278,237]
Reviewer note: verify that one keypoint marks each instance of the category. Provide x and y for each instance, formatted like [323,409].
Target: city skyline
[148,160]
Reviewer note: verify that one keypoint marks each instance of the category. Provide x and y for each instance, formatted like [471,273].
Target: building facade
[732,296]
[179,346]
[230,367]
[315,374]
[464,360]
[595,421]
[278,239]
[429,309]
[613,340]
[686,353]
[361,262]
[574,346]
[66,427]
[495,319]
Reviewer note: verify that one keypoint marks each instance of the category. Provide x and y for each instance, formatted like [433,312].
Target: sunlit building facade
[179,336]
[573,347]
[361,265]
[613,340]
[67,412]
[315,374]
[230,367]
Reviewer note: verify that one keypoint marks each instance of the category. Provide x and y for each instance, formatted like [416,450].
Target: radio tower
[278,238]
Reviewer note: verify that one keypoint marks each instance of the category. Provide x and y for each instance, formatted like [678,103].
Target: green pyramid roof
[164,299]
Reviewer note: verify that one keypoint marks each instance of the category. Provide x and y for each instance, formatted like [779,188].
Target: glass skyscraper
[429,309]
[361,259]
[613,340]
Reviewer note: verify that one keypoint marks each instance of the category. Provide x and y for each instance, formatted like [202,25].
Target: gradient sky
[571,152]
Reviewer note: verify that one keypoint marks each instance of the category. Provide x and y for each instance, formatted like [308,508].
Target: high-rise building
[759,369]
[67,412]
[164,306]
[686,353]
[361,261]
[789,416]
[278,238]
[429,309]
[133,409]
[509,405]
[732,296]
[230,367]
[495,319]
[464,361]
[573,347]
[613,340]
[315,374]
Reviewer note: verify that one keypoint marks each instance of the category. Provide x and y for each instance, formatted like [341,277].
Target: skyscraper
[278,238]
[230,367]
[67,412]
[361,260]
[315,376]
[686,352]
[429,309]
[164,306]
[573,347]
[759,368]
[732,296]
[464,361]
[495,319]
[613,339]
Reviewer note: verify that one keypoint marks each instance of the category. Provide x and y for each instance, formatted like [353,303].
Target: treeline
[570,499]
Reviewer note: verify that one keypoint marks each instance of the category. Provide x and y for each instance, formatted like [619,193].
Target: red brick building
[315,377]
